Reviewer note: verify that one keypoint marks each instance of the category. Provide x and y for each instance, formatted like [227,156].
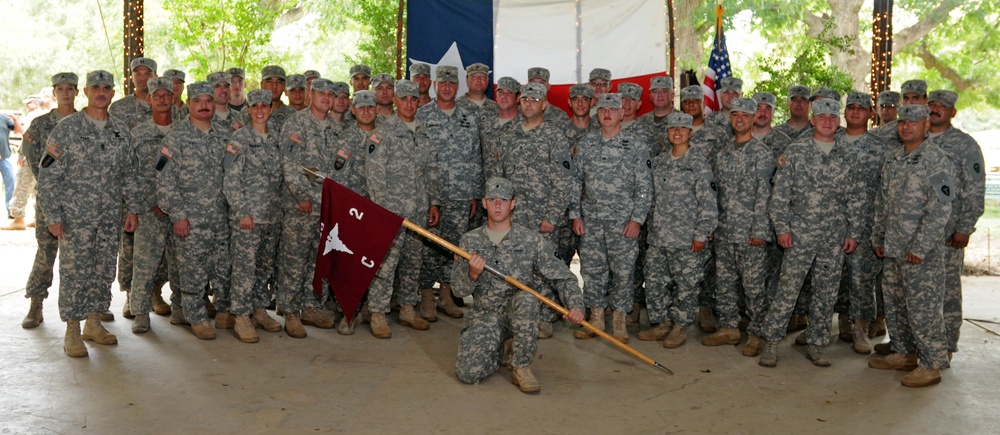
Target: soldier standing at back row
[83,179]
[477,77]
[798,112]
[661,96]
[64,86]
[491,128]
[730,89]
[580,125]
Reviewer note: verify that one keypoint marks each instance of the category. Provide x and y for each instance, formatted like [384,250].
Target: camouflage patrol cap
[218,78]
[799,91]
[499,187]
[826,106]
[661,82]
[859,98]
[259,96]
[581,90]
[174,74]
[142,61]
[888,98]
[363,99]
[446,73]
[600,73]
[272,71]
[679,119]
[361,69]
[100,77]
[693,92]
[765,98]
[533,90]
[509,84]
[295,81]
[237,72]
[731,84]
[67,78]
[419,68]
[610,101]
[539,73]
[382,77]
[322,85]
[312,73]
[825,92]
[477,68]
[158,83]
[406,88]
[945,97]
[918,87]
[914,112]
[745,105]
[630,90]
[341,88]
[199,88]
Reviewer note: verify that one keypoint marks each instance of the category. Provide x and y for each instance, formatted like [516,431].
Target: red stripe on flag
[558,95]
[355,236]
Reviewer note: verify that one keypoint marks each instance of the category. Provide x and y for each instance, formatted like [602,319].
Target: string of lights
[881,49]
[134,39]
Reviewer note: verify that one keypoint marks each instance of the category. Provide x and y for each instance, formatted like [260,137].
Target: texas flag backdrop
[568,37]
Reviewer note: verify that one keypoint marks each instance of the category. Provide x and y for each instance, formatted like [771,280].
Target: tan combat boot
[633,316]
[107,316]
[203,330]
[31,224]
[656,333]
[861,343]
[160,306]
[769,355]
[815,354]
[34,316]
[723,336]
[408,317]
[265,321]
[427,309]
[293,325]
[94,331]
[446,305]
[380,327]
[544,330]
[224,320]
[707,322]
[316,317]
[596,320]
[753,346]
[895,361]
[177,317]
[618,326]
[845,328]
[877,328]
[346,327]
[922,377]
[676,338]
[17,225]
[507,353]
[800,340]
[244,330]
[127,308]
[73,343]
[141,324]
[798,322]
[526,381]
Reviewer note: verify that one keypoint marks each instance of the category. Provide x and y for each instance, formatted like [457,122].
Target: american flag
[718,68]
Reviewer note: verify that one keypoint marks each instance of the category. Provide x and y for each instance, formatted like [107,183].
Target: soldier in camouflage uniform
[816,212]
[614,179]
[913,92]
[454,130]
[361,77]
[856,302]
[684,215]
[661,95]
[491,128]
[536,159]
[579,125]
[180,110]
[914,206]
[501,329]
[552,113]
[189,191]
[970,191]
[384,87]
[798,110]
[252,185]
[730,88]
[295,89]
[338,114]
[888,106]
[83,179]
[420,73]
[401,175]
[153,260]
[33,145]
[742,172]
[224,118]
[132,110]
[272,78]
[237,90]
[310,140]
[600,81]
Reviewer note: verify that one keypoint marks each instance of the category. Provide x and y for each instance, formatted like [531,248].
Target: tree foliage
[377,42]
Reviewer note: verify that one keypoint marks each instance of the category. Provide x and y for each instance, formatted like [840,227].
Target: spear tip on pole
[661,367]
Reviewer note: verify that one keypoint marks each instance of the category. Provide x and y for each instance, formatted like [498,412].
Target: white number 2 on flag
[354,212]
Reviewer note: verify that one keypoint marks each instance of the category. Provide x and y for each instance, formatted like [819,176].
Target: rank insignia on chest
[375,138]
[232,149]
[781,160]
[295,138]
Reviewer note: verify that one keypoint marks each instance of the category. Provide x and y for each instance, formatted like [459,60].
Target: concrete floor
[169,382]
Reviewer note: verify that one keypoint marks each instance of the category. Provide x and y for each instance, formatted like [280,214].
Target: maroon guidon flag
[355,234]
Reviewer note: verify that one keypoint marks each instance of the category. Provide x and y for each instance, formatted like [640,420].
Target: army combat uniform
[132,112]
